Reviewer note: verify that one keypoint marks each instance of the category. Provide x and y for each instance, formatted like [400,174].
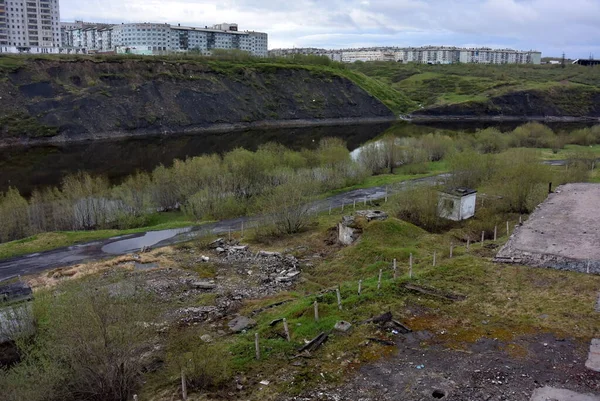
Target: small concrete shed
[457,204]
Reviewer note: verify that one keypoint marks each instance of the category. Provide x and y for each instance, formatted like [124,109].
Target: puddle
[134,244]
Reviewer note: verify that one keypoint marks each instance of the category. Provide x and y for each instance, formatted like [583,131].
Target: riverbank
[199,130]
[426,118]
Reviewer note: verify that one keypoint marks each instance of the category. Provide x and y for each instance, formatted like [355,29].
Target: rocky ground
[488,370]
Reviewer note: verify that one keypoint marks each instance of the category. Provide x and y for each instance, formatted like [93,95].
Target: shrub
[419,206]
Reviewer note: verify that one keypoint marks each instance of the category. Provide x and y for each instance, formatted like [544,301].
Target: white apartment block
[424,55]
[30,25]
[156,39]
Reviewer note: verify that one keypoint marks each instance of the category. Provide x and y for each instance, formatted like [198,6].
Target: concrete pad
[593,362]
[562,233]
[557,394]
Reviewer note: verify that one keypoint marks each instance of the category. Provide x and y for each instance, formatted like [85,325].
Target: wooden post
[520,219]
[379,279]
[410,266]
[242,229]
[365,201]
[495,233]
[588,267]
[316,304]
[434,257]
[482,237]
[229,234]
[135,397]
[339,298]
[468,243]
[256,345]
[451,250]
[343,204]
[359,287]
[330,209]
[395,269]
[354,204]
[507,229]
[287,330]
[386,194]
[183,386]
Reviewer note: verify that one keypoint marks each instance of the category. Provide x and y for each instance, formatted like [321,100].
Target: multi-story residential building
[154,39]
[334,55]
[30,24]
[425,55]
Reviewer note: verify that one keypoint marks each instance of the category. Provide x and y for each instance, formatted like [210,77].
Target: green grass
[52,240]
[562,154]
[570,88]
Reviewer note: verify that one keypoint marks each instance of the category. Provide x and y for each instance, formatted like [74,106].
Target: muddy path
[97,250]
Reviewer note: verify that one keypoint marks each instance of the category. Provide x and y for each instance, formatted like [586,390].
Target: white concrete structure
[156,39]
[457,204]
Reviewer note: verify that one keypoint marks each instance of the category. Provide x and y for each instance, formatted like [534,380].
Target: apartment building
[155,39]
[27,25]
[425,55]
[334,55]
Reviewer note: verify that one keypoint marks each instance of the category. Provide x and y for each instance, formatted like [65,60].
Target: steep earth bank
[567,104]
[68,100]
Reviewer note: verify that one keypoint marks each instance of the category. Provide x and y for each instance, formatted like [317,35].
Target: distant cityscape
[424,55]
[28,26]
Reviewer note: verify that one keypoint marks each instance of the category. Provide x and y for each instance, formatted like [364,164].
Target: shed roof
[459,191]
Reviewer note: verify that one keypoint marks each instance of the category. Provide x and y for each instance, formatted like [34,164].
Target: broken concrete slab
[557,394]
[343,326]
[561,234]
[15,292]
[218,243]
[593,362]
[241,323]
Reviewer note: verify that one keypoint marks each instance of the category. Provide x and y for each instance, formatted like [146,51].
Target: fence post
[495,233]
[359,287]
[183,386]
[451,250]
[354,204]
[468,243]
[286,329]
[316,305]
[395,269]
[379,279]
[242,229]
[339,298]
[434,257]
[410,264]
[256,345]
[330,209]
[482,238]
[507,230]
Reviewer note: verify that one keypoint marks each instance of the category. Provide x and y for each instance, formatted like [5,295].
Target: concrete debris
[266,254]
[593,362]
[241,323]
[371,215]
[205,258]
[218,243]
[203,285]
[556,394]
[342,326]
[206,338]
[349,229]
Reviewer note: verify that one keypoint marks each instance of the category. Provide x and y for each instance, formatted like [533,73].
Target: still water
[27,168]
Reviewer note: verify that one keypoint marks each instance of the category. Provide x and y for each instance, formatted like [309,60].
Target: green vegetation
[503,303]
[23,125]
[570,89]
[248,183]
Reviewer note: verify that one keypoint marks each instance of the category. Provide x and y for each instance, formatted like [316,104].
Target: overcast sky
[551,26]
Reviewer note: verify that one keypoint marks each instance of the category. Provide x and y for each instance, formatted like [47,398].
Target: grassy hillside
[430,86]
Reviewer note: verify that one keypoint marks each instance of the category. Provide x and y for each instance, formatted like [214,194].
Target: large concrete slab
[563,232]
[557,394]
[593,361]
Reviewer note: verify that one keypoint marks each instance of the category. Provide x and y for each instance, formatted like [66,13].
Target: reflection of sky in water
[149,239]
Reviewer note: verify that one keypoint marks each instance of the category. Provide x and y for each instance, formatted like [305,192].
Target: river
[28,168]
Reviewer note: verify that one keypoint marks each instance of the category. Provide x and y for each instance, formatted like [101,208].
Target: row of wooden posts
[360,288]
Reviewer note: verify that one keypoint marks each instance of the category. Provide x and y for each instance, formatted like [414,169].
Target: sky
[550,26]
